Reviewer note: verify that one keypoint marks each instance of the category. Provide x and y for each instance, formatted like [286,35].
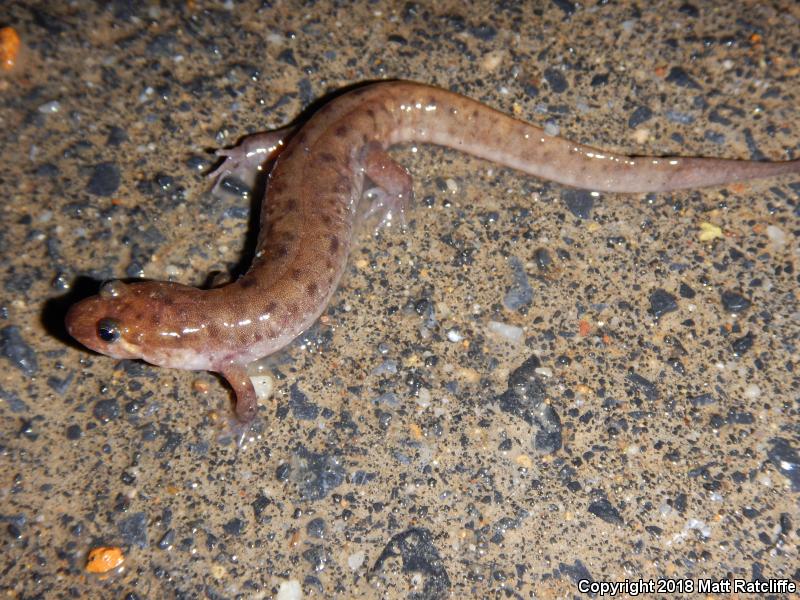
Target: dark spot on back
[342,130]
[370,113]
[296,274]
[276,186]
[247,282]
[311,289]
[334,243]
[291,204]
[271,307]
[327,157]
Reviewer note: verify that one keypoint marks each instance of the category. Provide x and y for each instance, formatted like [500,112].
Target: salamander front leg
[394,192]
[250,155]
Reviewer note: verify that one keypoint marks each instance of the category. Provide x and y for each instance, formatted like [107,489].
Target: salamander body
[309,212]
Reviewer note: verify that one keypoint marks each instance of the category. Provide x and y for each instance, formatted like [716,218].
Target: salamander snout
[103,322]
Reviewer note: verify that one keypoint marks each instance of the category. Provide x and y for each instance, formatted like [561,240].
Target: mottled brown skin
[308,217]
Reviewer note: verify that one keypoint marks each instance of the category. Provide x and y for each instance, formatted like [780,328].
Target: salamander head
[136,321]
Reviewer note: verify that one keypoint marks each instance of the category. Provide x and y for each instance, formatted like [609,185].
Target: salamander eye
[108,330]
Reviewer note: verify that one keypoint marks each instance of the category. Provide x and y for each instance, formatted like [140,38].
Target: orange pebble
[104,559]
[584,328]
[9,48]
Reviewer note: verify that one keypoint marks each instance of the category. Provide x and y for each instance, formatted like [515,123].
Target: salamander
[314,185]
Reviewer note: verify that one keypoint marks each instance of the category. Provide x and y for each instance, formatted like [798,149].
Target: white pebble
[263,385]
[776,235]
[289,590]
[424,398]
[454,335]
[510,332]
[551,129]
[49,108]
[752,392]
[356,559]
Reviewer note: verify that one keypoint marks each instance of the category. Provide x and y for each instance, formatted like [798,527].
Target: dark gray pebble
[259,507]
[317,556]
[786,459]
[524,398]
[133,529]
[318,473]
[106,410]
[105,179]
[702,400]
[579,202]
[283,471]
[681,78]
[287,56]
[12,399]
[483,31]
[662,302]
[742,344]
[606,511]
[234,527]
[74,432]
[566,5]
[418,555]
[639,116]
[647,387]
[734,302]
[116,136]
[576,571]
[543,259]
[520,294]
[302,408]
[167,540]
[316,528]
[16,351]
[554,77]
[60,385]
[686,292]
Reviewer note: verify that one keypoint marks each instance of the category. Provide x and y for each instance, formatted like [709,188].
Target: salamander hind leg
[240,428]
[250,155]
[246,400]
[393,193]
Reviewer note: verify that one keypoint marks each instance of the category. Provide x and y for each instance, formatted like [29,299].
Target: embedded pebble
[776,235]
[14,349]
[510,332]
[289,590]
[662,302]
[105,179]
